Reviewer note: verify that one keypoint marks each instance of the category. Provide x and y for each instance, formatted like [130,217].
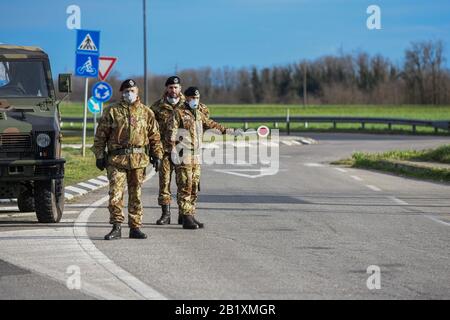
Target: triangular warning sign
[105,66]
[88,44]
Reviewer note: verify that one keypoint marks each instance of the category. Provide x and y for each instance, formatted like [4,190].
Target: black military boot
[136,233]
[116,232]
[188,222]
[165,217]
[180,218]
[200,225]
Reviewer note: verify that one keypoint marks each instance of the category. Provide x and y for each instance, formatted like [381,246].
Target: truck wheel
[49,200]
[25,201]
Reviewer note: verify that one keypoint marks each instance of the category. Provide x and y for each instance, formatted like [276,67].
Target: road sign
[105,66]
[102,91]
[86,65]
[94,106]
[263,131]
[88,41]
[87,52]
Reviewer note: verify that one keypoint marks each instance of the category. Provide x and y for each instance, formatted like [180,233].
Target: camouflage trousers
[118,179]
[188,185]
[165,180]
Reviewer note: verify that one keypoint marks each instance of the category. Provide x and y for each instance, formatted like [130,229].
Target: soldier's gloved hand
[156,163]
[100,164]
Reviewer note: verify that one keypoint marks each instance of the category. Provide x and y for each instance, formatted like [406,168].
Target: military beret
[192,92]
[173,80]
[129,83]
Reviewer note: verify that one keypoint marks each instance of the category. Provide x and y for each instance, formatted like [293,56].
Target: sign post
[94,107]
[87,53]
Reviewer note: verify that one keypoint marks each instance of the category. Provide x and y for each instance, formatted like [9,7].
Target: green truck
[31,166]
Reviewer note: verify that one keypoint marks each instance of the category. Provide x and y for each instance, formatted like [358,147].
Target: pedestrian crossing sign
[88,41]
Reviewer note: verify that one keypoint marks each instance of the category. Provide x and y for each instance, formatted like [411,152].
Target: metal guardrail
[443,125]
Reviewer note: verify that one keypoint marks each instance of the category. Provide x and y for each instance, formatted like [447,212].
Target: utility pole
[305,93]
[145,52]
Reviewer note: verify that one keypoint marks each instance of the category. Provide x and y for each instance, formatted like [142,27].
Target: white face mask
[193,104]
[173,100]
[130,97]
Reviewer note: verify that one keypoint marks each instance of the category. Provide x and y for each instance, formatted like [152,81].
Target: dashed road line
[313,165]
[374,188]
[341,170]
[437,220]
[398,201]
[356,178]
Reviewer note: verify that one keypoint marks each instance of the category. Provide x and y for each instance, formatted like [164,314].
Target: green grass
[439,155]
[387,162]
[77,168]
[423,112]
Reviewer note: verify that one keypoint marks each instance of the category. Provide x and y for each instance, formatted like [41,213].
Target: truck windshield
[22,79]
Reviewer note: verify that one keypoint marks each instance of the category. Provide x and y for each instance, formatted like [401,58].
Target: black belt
[125,151]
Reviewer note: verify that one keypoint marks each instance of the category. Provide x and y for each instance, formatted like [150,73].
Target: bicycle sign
[87,52]
[86,65]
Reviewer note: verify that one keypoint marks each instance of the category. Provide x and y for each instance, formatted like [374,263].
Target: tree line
[357,78]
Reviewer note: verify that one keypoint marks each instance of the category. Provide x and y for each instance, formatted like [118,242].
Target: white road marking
[87,186]
[68,196]
[313,165]
[17,215]
[438,221]
[288,143]
[374,188]
[305,141]
[35,250]
[341,170]
[398,201]
[80,232]
[76,190]
[15,208]
[71,211]
[98,182]
[103,178]
[296,142]
[356,178]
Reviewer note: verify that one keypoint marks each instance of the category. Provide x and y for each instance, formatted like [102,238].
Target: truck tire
[49,200]
[25,201]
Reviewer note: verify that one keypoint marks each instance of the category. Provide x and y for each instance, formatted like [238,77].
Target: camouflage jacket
[193,122]
[204,109]
[163,111]
[123,126]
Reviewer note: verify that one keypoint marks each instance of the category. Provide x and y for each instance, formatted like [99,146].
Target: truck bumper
[20,170]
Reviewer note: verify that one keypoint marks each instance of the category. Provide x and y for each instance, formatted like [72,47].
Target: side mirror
[65,82]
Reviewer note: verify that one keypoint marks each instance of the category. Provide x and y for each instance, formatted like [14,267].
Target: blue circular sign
[102,91]
[94,106]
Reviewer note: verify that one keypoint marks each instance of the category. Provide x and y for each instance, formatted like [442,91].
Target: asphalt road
[310,231]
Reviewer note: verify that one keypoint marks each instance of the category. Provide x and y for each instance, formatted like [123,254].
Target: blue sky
[217,33]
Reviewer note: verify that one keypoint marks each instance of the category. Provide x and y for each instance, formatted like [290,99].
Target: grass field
[406,111]
[392,162]
[390,111]
[77,168]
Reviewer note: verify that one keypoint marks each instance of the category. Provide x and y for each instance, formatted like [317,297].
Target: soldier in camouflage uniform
[163,109]
[185,153]
[128,130]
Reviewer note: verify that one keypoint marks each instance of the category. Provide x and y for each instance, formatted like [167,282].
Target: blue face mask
[193,104]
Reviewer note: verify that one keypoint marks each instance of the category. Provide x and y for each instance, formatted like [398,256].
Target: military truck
[31,166]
